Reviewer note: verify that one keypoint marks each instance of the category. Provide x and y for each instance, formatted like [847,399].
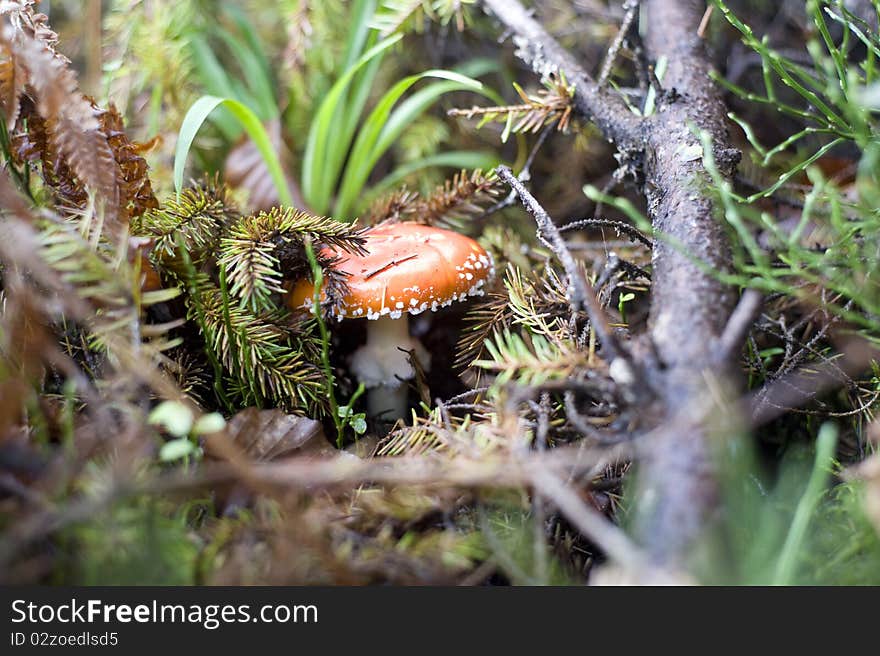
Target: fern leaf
[12,81]
[71,121]
[73,142]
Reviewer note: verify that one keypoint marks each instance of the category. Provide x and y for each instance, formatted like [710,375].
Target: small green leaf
[175,417]
[209,423]
[359,423]
[177,450]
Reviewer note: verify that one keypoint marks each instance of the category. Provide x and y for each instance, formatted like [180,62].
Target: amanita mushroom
[408,268]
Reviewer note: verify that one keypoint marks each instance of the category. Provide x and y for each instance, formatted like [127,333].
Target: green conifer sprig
[461,198]
[198,216]
[553,103]
[536,305]
[260,251]
[531,359]
[266,358]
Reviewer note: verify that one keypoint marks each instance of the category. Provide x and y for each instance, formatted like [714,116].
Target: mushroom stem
[388,403]
[383,367]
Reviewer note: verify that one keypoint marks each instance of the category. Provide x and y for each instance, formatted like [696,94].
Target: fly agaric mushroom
[407,268]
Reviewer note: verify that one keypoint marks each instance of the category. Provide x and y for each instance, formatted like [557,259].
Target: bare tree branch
[541,51]
[690,307]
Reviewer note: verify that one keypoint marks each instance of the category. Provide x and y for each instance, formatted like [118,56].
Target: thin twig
[631,9]
[622,228]
[524,175]
[738,326]
[605,535]
[580,294]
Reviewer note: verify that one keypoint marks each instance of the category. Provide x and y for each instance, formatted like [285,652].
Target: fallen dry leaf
[270,434]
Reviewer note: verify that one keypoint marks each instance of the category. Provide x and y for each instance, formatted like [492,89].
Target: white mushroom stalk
[383,365]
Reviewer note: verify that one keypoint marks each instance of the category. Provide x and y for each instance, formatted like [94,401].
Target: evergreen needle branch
[535,46]
[190,280]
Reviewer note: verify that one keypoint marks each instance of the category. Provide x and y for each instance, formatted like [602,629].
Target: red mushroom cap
[408,267]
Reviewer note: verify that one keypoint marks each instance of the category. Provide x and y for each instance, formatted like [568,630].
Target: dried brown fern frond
[72,127]
[461,198]
[83,149]
[552,103]
[12,81]
[33,141]
[31,144]
[135,189]
[21,17]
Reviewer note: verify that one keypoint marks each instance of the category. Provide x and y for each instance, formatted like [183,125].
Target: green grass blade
[373,141]
[419,102]
[360,20]
[211,73]
[316,179]
[253,40]
[256,77]
[196,117]
[350,112]
[216,82]
[825,445]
